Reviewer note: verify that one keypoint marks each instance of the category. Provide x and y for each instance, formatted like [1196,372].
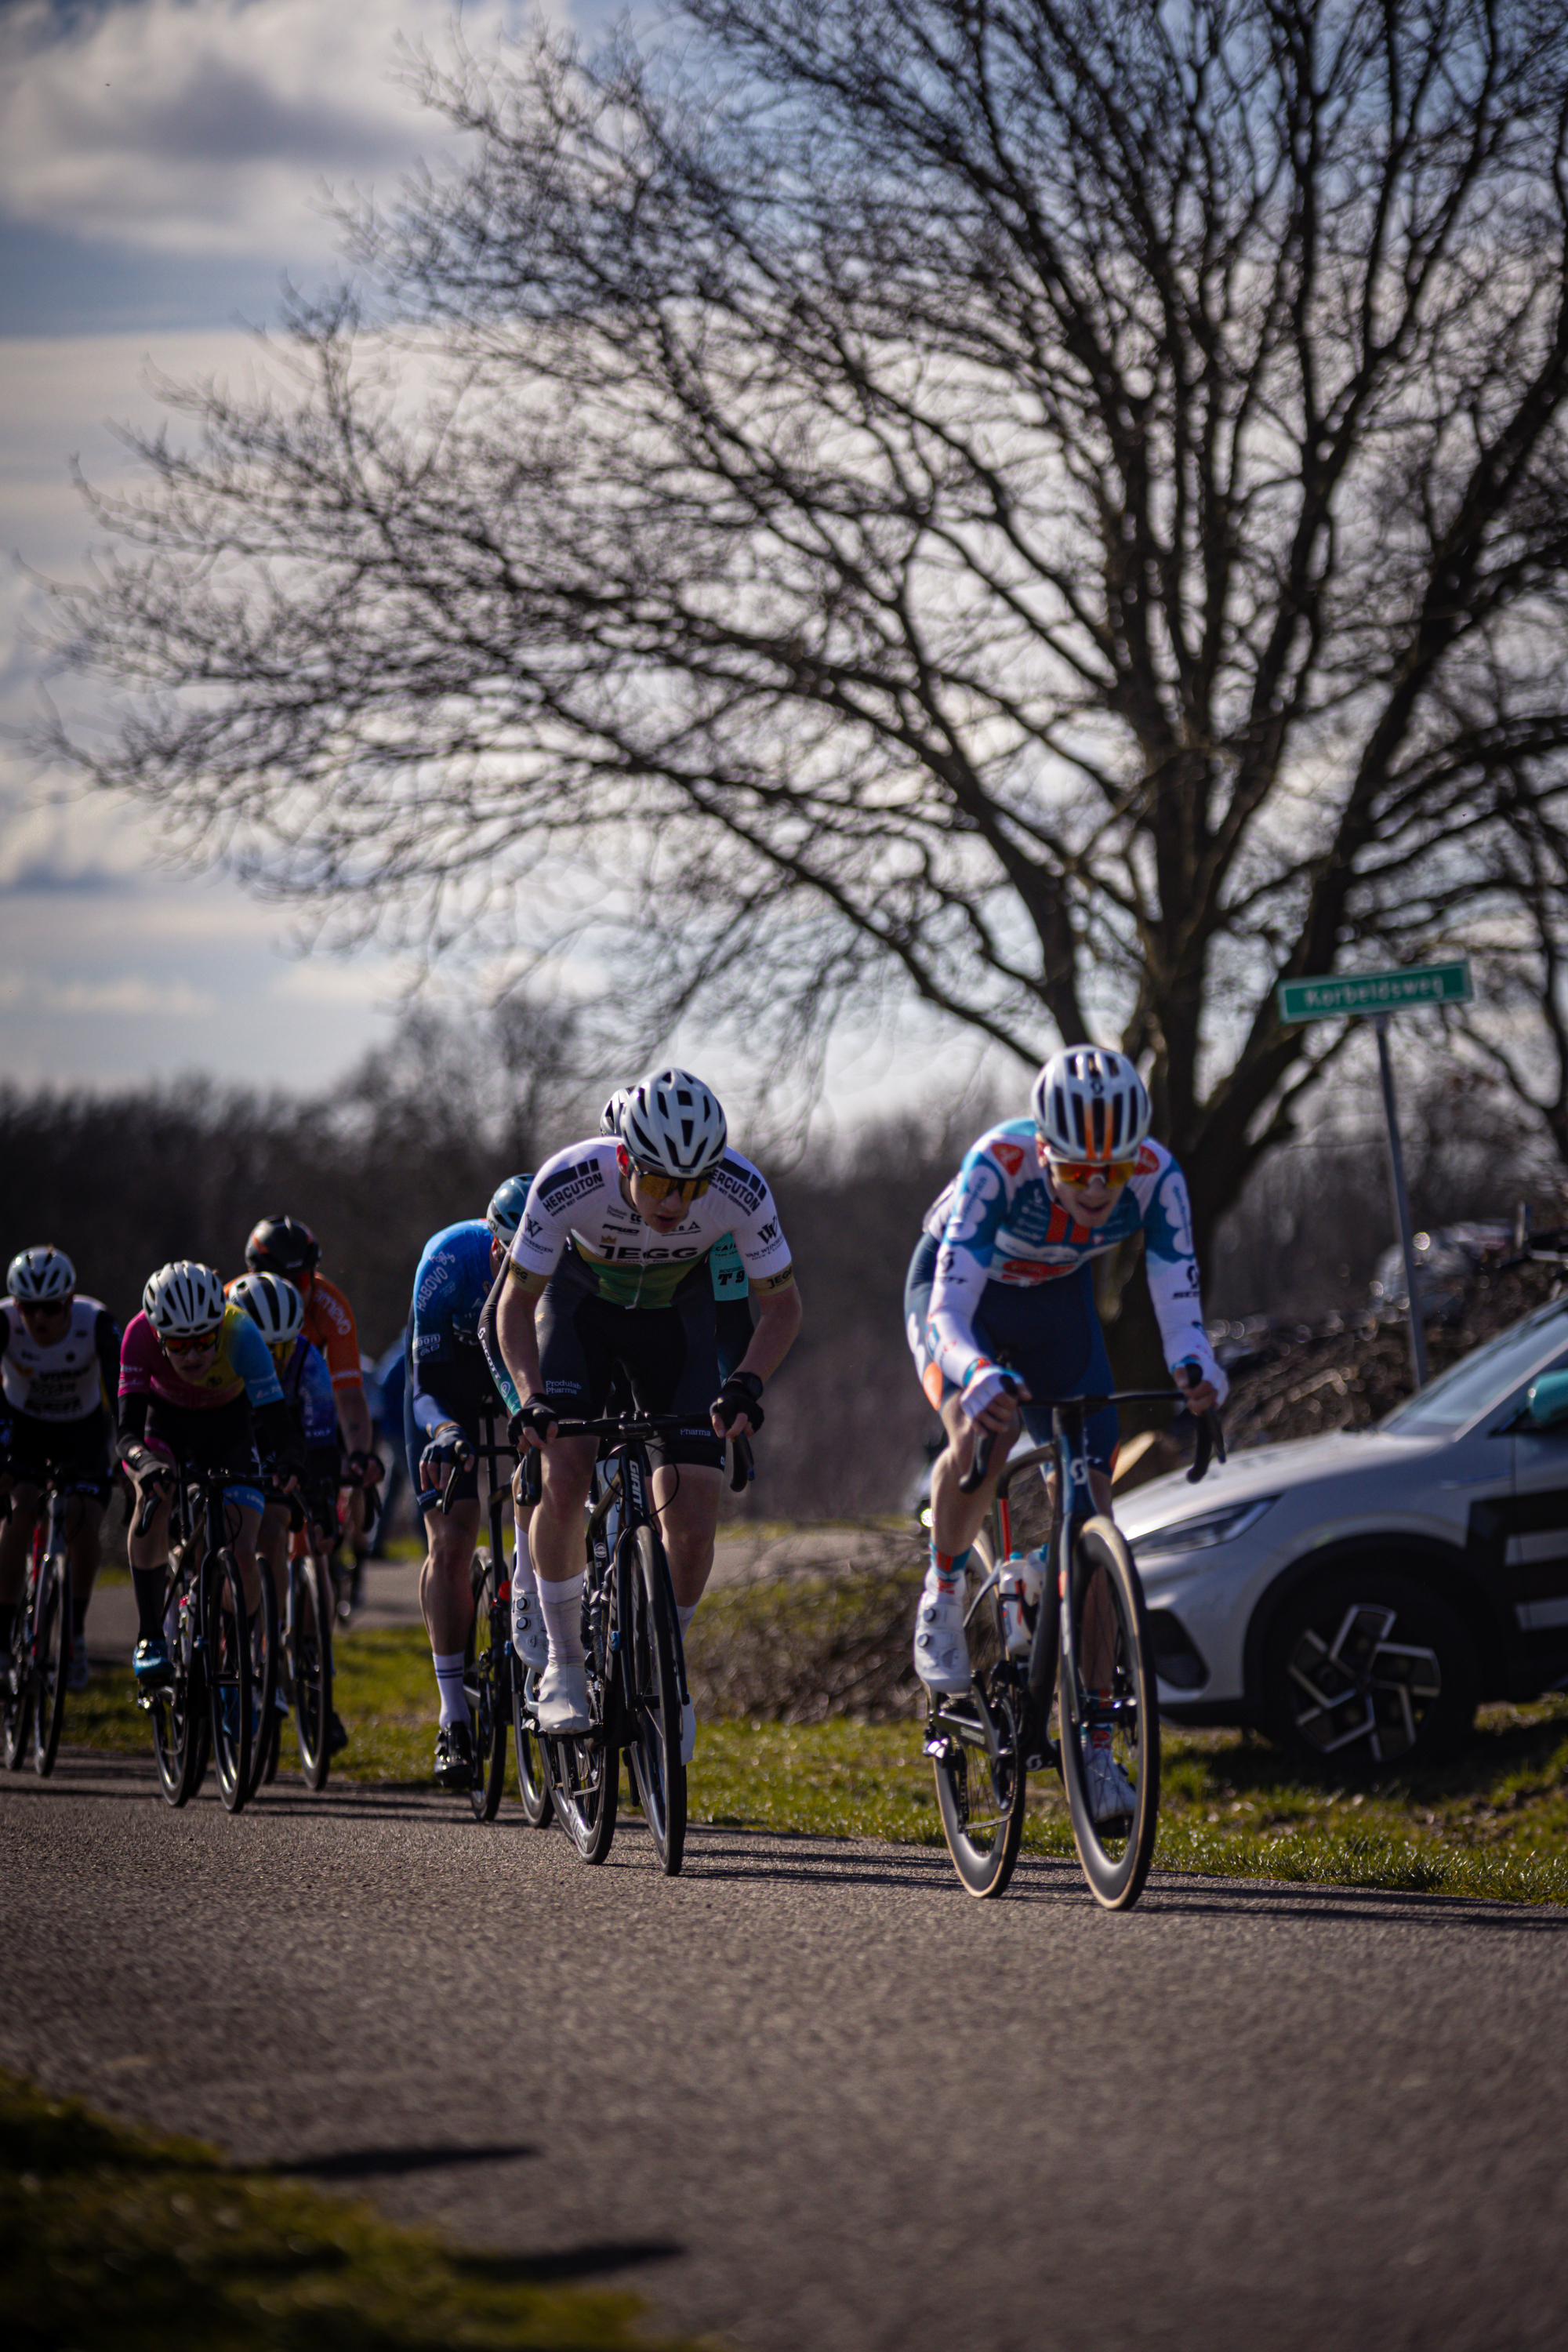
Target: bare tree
[1059,511]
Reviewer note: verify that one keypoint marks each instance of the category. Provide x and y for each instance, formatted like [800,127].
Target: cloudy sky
[161,166]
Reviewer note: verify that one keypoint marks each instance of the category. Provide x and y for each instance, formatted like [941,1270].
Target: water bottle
[1023,1578]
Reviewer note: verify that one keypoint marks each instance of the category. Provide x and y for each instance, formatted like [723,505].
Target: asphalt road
[810,2094]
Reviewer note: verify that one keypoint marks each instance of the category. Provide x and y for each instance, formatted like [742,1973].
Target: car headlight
[1198,1535]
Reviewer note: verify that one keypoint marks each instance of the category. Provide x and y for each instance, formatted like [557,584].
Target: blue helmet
[505,1211]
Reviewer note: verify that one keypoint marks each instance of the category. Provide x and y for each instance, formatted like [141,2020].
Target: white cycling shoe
[1112,1796]
[529,1638]
[941,1647]
[562,1706]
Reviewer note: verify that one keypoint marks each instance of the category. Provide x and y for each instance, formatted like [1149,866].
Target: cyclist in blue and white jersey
[610,1282]
[59,1370]
[999,1302]
[451,1386]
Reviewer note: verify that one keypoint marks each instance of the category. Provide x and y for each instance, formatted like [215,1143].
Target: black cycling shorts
[211,1437]
[667,1357]
[81,1447]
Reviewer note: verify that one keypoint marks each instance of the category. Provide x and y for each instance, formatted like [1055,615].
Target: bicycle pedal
[939,1749]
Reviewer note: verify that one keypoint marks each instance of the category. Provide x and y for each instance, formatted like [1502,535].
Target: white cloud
[206,126]
[130,996]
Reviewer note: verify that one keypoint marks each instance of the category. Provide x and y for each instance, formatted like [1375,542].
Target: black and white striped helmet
[671,1123]
[37,1276]
[182,1299]
[272,1302]
[1090,1104]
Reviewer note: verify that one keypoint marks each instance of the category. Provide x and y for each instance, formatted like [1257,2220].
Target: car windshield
[1484,1377]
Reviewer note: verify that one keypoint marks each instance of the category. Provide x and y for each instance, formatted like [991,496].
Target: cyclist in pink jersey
[198,1391]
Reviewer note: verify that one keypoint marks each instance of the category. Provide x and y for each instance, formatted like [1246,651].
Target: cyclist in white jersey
[59,1367]
[609,1277]
[999,1302]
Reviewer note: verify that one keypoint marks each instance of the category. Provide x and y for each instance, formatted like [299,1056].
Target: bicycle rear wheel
[180,1733]
[975,1743]
[230,1698]
[484,1685]
[653,1697]
[51,1657]
[311,1644]
[1107,1709]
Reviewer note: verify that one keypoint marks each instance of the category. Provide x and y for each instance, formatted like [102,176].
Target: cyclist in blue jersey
[276,1308]
[999,1304]
[451,1385]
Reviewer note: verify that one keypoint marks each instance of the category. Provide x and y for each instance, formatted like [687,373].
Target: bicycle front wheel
[532,1770]
[20,1702]
[653,1697]
[311,1666]
[179,1712]
[1108,1717]
[483,1682]
[230,1698]
[51,1657]
[974,1739]
[265,1727]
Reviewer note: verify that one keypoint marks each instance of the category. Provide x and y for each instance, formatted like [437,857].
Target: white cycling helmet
[38,1277]
[670,1123]
[183,1299]
[610,1116]
[505,1211]
[271,1301]
[1091,1104]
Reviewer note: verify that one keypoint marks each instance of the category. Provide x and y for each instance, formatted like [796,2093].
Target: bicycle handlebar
[645,1426]
[1210,1440]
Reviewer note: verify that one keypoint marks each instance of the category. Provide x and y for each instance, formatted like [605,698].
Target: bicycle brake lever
[1210,1446]
[743,1468]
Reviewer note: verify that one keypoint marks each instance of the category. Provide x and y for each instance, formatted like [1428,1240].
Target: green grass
[109,2235]
[1495,1825]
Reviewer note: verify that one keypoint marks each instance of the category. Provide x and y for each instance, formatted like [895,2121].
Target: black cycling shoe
[454,1757]
[338,1735]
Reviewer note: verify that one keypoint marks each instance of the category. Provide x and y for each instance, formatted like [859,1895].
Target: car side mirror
[1546,1402]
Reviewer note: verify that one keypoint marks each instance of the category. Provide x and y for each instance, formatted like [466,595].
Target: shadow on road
[391,2163]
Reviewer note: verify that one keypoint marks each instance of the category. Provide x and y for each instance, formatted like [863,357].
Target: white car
[1356,1596]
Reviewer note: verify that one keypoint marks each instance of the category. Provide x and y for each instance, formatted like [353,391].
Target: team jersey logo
[1010,1155]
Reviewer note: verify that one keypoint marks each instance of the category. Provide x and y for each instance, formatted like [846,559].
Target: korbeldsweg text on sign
[1375,992]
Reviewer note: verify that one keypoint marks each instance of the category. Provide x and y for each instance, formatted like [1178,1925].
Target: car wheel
[1364,1670]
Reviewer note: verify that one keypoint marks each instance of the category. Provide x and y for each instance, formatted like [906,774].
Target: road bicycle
[635,1662]
[209,1708]
[41,1637]
[1086,1641]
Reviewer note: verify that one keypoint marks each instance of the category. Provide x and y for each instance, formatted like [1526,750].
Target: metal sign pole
[1401,1201]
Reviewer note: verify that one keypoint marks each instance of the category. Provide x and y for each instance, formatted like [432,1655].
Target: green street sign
[1375,992]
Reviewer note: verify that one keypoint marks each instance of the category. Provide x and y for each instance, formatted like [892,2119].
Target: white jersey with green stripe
[576,1200]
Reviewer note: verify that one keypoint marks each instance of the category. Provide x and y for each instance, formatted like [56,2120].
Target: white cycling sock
[684,1617]
[563,1606]
[449,1680]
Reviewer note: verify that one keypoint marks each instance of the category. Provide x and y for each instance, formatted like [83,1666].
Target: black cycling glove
[538,1415]
[742,1393]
